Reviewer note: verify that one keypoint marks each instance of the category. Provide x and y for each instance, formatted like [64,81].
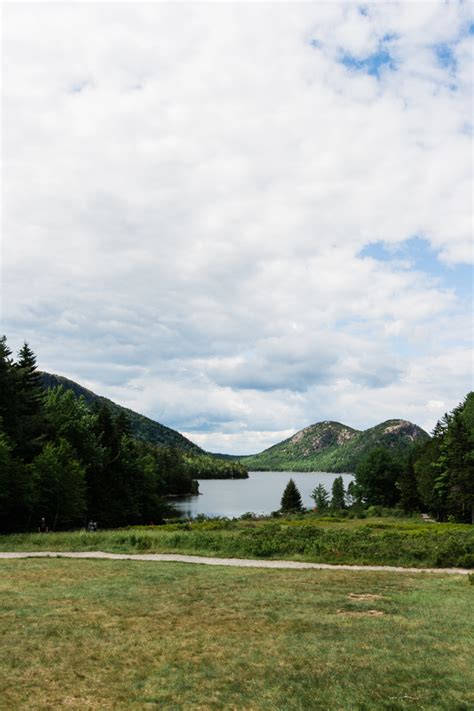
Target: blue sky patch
[422,257]
[371,64]
[445,56]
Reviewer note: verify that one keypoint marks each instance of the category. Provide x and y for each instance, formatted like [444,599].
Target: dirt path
[233,562]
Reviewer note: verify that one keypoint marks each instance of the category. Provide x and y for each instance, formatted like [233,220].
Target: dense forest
[443,468]
[70,462]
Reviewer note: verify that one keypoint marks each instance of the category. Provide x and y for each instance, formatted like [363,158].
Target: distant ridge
[324,446]
[142,427]
[334,447]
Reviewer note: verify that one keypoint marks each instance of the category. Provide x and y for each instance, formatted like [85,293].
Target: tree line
[436,476]
[69,463]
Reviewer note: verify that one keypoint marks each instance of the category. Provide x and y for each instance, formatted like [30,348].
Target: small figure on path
[42,528]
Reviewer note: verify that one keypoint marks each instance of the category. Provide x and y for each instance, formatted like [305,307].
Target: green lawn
[133,635]
[375,541]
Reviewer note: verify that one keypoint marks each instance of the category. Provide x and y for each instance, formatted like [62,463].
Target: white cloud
[187,203]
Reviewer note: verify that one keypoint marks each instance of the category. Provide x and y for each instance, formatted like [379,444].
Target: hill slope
[331,446]
[142,427]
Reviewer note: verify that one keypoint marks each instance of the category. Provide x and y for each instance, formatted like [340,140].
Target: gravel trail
[233,562]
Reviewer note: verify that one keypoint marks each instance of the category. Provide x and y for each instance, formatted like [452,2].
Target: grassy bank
[133,635]
[377,541]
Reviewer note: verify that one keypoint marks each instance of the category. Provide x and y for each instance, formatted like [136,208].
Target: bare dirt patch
[364,596]
[360,613]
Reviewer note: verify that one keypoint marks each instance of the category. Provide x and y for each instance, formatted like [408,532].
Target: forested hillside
[67,461]
[141,427]
[199,463]
[334,447]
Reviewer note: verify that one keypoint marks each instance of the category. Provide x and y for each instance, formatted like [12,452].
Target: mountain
[142,427]
[333,447]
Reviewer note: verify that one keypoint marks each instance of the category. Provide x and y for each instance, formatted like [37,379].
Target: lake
[260,493]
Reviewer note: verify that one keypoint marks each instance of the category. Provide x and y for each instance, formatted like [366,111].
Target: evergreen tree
[321,497]
[432,497]
[123,426]
[377,477]
[15,490]
[407,485]
[291,499]
[8,392]
[174,470]
[444,467]
[30,392]
[106,429]
[338,501]
[455,464]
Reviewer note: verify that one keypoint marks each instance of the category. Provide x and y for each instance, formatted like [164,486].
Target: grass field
[378,541]
[135,635]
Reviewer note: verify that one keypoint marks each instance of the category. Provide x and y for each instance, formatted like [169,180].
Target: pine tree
[426,472]
[123,426]
[321,497]
[30,380]
[337,494]
[407,486]
[30,405]
[456,461]
[8,392]
[291,499]
[15,490]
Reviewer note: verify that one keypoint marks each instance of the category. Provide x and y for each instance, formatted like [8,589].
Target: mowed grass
[140,635]
[377,541]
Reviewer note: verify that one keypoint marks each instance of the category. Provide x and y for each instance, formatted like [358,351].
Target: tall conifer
[30,404]
[338,495]
[8,392]
[291,499]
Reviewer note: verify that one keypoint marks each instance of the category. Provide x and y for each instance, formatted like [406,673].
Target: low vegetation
[375,541]
[134,635]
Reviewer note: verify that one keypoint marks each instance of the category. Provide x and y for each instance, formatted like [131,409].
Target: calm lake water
[260,493]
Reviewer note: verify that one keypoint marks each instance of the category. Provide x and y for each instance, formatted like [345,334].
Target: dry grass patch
[136,636]
[361,613]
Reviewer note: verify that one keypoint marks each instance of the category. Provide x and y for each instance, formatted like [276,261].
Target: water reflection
[260,493]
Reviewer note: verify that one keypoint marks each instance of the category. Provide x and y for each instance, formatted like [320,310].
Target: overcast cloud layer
[240,219]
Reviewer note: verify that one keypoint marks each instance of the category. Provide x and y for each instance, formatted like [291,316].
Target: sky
[242,218]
